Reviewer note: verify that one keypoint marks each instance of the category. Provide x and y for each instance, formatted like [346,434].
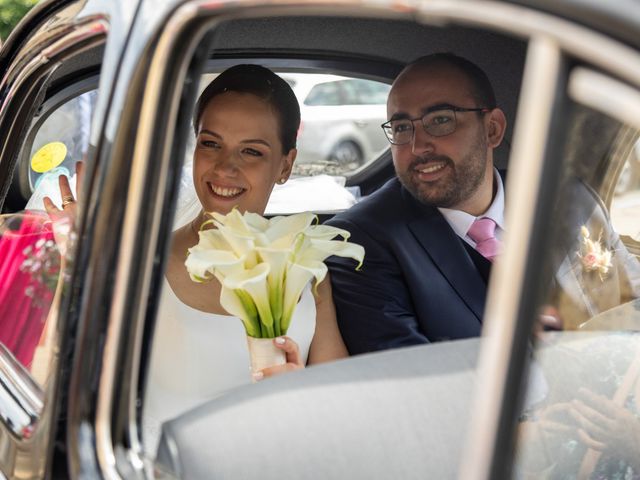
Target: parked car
[77,326]
[341,120]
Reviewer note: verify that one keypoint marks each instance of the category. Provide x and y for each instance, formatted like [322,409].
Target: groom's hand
[549,320]
[294,360]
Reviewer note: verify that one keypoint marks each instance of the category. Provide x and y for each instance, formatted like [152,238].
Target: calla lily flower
[263,265]
[254,283]
[240,304]
[202,263]
[298,275]
[276,279]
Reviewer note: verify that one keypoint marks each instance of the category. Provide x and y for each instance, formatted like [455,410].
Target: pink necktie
[482,232]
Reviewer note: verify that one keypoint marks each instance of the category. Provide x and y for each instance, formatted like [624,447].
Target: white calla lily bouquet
[263,265]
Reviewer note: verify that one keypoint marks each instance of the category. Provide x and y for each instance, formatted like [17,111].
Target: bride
[246,122]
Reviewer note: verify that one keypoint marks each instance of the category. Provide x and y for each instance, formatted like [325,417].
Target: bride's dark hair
[263,83]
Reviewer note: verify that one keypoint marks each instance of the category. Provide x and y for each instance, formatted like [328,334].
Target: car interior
[599,148]
[260,41]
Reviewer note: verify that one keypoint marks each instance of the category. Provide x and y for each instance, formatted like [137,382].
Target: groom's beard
[460,181]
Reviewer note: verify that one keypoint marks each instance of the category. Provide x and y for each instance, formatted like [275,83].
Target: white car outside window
[341,117]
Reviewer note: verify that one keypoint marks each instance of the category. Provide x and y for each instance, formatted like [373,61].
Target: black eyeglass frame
[386,126]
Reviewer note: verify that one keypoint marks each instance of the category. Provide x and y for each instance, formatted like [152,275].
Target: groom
[431,233]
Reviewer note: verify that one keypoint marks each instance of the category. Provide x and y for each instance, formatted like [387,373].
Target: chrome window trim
[84,34]
[605,94]
[535,109]
[23,393]
[551,36]
[135,202]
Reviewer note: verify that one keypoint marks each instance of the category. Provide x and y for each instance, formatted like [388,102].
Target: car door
[50,77]
[576,415]
[402,414]
[583,379]
[568,119]
[141,148]
[152,101]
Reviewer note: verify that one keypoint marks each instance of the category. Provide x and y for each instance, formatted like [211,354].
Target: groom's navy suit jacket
[419,283]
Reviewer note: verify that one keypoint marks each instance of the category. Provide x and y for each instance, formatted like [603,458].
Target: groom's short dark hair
[482,89]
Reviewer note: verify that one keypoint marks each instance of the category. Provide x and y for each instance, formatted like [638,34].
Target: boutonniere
[594,257]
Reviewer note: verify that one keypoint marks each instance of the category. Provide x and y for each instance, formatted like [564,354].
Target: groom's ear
[497,125]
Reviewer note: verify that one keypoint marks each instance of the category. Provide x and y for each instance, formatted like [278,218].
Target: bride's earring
[281,181]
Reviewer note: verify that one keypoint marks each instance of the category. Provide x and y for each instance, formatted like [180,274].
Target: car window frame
[62,95]
[506,345]
[124,356]
[625,142]
[115,419]
[582,87]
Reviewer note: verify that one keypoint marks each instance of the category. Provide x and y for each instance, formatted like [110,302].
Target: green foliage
[11,11]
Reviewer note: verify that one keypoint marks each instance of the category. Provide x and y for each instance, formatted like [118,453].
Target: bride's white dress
[197,356]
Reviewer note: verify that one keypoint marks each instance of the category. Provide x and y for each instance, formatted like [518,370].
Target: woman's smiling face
[238,156]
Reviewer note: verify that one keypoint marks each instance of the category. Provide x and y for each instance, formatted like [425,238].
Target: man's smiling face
[452,171]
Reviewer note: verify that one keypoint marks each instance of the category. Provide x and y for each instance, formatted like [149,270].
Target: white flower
[264,264]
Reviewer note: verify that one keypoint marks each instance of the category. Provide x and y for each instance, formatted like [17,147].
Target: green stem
[276,323]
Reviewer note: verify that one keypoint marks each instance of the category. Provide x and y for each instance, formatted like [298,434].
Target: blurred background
[11,11]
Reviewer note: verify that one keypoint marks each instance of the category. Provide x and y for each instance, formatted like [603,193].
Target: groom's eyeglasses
[438,122]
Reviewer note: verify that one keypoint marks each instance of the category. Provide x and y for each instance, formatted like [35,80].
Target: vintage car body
[567,74]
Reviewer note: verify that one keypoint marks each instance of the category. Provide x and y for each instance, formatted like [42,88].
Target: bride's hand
[294,360]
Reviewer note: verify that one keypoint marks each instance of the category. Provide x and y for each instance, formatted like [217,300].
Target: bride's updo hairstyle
[264,84]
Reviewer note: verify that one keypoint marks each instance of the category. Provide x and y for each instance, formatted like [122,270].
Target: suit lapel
[482,264]
[446,250]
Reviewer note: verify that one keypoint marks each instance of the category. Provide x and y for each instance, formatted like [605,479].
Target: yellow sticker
[49,156]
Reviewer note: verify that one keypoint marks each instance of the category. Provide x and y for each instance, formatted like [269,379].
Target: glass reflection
[30,267]
[581,415]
